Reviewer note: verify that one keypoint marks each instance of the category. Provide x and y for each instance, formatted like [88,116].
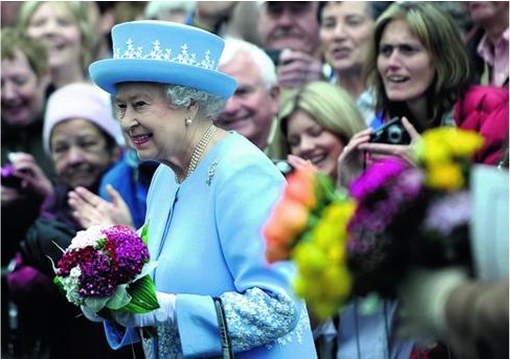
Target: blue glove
[164,314]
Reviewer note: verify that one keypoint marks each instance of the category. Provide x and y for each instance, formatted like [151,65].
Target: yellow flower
[447,176]
[443,144]
[337,282]
[309,258]
[466,143]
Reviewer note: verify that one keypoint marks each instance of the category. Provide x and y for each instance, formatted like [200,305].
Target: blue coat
[206,236]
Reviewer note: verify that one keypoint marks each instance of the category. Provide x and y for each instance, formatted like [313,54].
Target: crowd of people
[175,113]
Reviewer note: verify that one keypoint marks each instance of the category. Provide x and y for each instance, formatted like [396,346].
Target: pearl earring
[188,121]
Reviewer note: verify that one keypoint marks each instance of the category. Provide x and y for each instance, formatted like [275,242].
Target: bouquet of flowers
[395,216]
[304,227]
[105,269]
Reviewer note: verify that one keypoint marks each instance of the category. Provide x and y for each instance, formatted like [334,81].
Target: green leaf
[143,293]
[120,298]
[95,304]
[145,233]
[59,284]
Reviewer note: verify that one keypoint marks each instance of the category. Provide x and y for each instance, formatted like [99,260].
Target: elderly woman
[206,205]
[83,140]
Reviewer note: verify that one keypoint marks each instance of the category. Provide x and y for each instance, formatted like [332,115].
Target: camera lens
[395,134]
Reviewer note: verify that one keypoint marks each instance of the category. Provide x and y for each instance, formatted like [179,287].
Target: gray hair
[154,9]
[209,105]
[267,69]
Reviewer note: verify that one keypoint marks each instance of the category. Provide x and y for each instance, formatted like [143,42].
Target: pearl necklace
[199,150]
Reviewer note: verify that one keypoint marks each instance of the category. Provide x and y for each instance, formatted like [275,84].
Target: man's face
[291,25]
[251,109]
[486,12]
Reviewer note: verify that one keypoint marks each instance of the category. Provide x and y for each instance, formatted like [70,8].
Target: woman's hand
[380,150]
[351,159]
[32,176]
[90,209]
[165,313]
[300,163]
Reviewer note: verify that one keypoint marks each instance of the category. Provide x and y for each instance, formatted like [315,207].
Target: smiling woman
[66,29]
[317,121]
[167,92]
[420,70]
[82,138]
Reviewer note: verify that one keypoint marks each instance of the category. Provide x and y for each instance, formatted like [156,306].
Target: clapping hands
[90,209]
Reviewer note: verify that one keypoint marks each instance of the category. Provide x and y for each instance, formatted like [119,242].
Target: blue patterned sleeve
[257,318]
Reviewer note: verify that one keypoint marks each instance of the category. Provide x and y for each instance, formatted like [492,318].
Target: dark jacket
[63,330]
[19,215]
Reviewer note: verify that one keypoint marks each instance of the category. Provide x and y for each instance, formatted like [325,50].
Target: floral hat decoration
[163,52]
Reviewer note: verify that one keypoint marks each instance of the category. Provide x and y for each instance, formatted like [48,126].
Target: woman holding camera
[421,72]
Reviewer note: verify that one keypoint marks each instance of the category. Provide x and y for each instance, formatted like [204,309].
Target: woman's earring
[188,121]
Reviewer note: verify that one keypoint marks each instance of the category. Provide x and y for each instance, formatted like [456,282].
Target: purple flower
[116,256]
[376,176]
[448,212]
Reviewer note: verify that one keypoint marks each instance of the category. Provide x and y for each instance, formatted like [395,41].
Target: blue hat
[163,52]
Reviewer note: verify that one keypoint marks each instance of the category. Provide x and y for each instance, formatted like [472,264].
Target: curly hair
[209,105]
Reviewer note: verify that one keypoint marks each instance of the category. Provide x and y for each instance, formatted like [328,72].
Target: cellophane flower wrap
[105,268]
[395,216]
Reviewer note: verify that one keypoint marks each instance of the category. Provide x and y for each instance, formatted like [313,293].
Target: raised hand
[297,68]
[33,178]
[351,159]
[90,209]
[406,152]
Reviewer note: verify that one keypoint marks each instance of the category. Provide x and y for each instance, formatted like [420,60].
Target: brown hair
[441,37]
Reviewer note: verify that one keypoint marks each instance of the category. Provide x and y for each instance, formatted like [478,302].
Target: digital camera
[9,179]
[392,132]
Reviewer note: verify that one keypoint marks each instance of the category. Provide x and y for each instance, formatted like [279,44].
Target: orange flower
[301,186]
[288,220]
[276,252]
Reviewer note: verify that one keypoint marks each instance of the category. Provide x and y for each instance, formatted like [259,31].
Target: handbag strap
[226,344]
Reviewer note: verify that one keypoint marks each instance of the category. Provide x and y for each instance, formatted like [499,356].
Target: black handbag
[226,344]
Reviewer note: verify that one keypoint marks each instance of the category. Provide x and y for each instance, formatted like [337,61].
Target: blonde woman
[67,31]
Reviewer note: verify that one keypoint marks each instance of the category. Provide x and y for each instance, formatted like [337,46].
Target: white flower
[87,237]
[71,286]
